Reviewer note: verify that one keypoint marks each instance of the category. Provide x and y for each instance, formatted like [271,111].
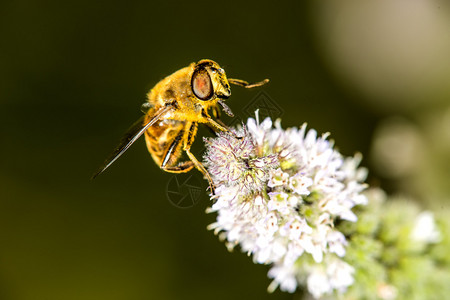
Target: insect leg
[198,165]
[213,128]
[216,114]
[171,153]
[216,126]
[245,84]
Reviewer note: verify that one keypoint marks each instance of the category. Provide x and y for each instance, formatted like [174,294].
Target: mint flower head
[235,162]
[279,195]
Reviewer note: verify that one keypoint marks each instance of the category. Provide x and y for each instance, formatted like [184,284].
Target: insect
[174,108]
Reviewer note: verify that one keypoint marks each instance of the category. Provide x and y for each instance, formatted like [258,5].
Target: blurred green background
[73,75]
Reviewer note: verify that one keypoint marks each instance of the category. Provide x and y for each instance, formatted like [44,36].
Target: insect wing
[133,133]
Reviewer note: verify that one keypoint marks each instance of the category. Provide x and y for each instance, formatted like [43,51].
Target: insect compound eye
[202,85]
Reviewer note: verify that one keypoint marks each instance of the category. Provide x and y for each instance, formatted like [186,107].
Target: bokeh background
[73,74]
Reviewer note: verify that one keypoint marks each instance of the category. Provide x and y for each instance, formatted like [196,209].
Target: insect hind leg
[182,167]
[169,163]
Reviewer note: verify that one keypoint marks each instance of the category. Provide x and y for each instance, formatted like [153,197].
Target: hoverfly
[174,108]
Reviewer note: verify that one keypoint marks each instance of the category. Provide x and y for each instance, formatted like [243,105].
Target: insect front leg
[210,122]
[216,114]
